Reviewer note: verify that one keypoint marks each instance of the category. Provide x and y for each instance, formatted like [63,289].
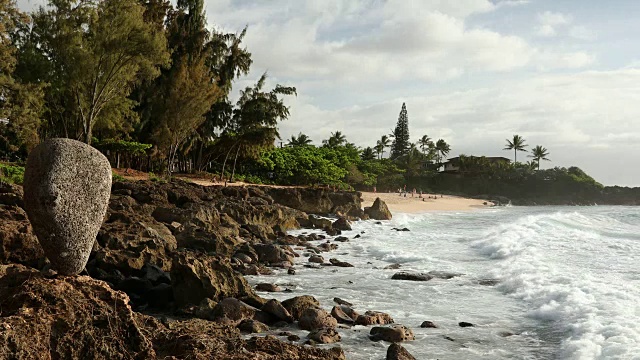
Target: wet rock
[275,308]
[231,311]
[374,318]
[428,324]
[446,275]
[324,336]
[395,333]
[341,224]
[341,239]
[400,229]
[313,266]
[293,337]
[316,318]
[397,352]
[339,301]
[403,275]
[67,185]
[272,254]
[268,287]
[465,324]
[327,247]
[320,222]
[252,326]
[392,267]
[341,316]
[291,271]
[297,305]
[336,262]
[488,282]
[331,231]
[316,259]
[357,236]
[378,210]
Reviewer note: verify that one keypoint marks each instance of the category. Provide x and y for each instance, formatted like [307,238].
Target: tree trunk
[224,164]
[233,172]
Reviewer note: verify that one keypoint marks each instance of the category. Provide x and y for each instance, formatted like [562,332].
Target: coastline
[415,205]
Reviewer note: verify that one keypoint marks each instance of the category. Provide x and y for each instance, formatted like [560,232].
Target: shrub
[11,174]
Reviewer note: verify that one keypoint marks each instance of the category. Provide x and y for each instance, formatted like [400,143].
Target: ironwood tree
[401,144]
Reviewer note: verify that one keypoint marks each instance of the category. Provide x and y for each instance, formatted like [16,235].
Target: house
[453,164]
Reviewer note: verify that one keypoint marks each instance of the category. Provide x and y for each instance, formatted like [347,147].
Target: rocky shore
[165,277]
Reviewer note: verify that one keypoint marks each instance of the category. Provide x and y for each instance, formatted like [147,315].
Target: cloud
[549,23]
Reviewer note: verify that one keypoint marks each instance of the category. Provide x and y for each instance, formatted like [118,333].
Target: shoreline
[416,205]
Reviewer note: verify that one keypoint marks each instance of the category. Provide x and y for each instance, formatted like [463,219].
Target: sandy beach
[401,204]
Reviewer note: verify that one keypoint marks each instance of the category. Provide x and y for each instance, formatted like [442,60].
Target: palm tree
[424,143]
[367,154]
[539,153]
[382,144]
[517,144]
[300,140]
[442,149]
[336,139]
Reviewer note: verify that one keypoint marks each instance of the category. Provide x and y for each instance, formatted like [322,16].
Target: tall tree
[516,144]
[539,153]
[401,144]
[424,143]
[381,145]
[367,154]
[336,139]
[442,149]
[300,140]
[100,51]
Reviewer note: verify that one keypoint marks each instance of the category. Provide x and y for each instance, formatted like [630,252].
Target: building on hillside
[453,164]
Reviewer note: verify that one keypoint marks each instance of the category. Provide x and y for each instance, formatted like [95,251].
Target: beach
[412,205]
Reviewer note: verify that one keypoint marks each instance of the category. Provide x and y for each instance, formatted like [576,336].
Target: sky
[562,74]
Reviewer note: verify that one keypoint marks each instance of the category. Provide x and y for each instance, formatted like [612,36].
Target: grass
[11,174]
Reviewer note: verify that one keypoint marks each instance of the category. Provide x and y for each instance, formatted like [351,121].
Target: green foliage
[123,146]
[155,178]
[11,174]
[116,177]
[517,144]
[401,143]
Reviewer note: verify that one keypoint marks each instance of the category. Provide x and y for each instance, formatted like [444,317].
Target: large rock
[18,244]
[397,352]
[275,308]
[297,305]
[316,318]
[196,276]
[374,318]
[67,185]
[378,211]
[403,275]
[324,336]
[395,333]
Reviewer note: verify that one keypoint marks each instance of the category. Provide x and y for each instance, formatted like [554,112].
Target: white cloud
[549,23]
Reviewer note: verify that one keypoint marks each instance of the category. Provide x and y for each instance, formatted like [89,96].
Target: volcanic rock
[374,318]
[403,275]
[324,336]
[316,318]
[378,210]
[397,352]
[67,185]
[395,333]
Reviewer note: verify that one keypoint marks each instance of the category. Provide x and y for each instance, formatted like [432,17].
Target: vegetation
[148,83]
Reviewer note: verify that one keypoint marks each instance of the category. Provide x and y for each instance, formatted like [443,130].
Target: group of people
[403,191]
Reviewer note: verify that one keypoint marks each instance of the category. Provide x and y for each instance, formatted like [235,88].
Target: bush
[11,174]
[116,177]
[153,177]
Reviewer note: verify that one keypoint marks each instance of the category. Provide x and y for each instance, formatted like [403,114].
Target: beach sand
[401,204]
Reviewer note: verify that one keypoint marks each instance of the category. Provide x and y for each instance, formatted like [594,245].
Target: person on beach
[374,189]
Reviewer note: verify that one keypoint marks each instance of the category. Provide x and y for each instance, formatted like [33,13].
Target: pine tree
[401,144]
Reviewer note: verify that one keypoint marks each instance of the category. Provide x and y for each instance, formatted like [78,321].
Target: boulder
[316,318]
[403,275]
[18,244]
[196,276]
[397,352]
[339,301]
[275,308]
[336,262]
[395,333]
[324,336]
[297,305]
[378,210]
[320,222]
[231,311]
[342,238]
[428,324]
[252,326]
[316,259]
[446,275]
[465,324]
[67,185]
[392,267]
[344,317]
[272,254]
[268,287]
[374,318]
[341,224]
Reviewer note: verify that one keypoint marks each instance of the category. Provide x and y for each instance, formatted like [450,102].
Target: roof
[490,158]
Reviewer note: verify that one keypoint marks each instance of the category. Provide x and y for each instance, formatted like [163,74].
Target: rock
[316,259]
[397,352]
[196,276]
[252,326]
[268,287]
[324,336]
[316,318]
[465,324]
[67,185]
[378,211]
[341,316]
[395,333]
[357,236]
[275,308]
[160,296]
[374,318]
[231,311]
[18,244]
[341,239]
[327,247]
[339,301]
[341,224]
[392,267]
[488,282]
[336,262]
[320,222]
[293,337]
[297,305]
[155,275]
[443,274]
[271,254]
[244,258]
[403,275]
[400,229]
[428,324]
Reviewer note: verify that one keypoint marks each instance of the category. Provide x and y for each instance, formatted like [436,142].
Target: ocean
[537,283]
